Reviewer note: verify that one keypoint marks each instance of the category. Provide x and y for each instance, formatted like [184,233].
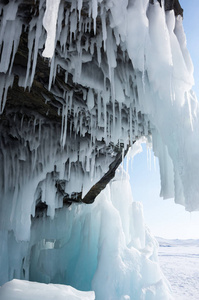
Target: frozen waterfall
[104,247]
[81,82]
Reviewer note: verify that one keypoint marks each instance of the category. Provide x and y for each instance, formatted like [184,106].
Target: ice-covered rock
[80,82]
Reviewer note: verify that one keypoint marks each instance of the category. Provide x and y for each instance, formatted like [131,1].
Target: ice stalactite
[118,60]
[50,23]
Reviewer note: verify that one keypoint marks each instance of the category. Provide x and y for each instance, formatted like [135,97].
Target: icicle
[110,53]
[52,71]
[49,23]
[104,32]
[15,43]
[98,107]
[40,123]
[99,45]
[131,128]
[113,106]
[94,14]
[73,25]
[90,99]
[9,14]
[70,100]
[5,83]
[30,47]
[36,47]
[79,7]
[122,164]
[64,125]
[10,46]
[87,163]
[187,97]
[64,33]
[120,120]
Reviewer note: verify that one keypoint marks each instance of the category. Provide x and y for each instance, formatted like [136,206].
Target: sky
[165,218]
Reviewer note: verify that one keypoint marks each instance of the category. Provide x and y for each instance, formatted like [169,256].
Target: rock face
[175,5]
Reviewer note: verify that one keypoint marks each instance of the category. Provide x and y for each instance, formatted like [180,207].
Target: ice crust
[23,290]
[125,56]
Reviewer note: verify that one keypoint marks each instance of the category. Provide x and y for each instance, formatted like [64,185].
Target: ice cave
[82,83]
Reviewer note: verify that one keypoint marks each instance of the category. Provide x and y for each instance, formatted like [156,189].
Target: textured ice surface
[136,61]
[104,247]
[23,290]
[179,260]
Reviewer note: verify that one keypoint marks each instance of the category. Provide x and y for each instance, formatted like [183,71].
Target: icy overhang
[60,121]
[118,71]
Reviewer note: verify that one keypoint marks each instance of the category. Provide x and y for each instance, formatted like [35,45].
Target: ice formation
[23,290]
[118,71]
[104,247]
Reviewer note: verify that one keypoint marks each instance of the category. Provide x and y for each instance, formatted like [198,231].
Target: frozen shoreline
[179,260]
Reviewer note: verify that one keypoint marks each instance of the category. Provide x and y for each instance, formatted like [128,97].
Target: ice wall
[104,247]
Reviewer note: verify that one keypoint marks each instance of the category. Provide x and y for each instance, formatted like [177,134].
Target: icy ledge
[23,290]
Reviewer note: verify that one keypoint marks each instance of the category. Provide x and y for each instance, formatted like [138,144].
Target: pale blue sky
[164,217]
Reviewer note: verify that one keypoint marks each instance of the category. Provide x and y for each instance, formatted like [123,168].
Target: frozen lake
[180,264]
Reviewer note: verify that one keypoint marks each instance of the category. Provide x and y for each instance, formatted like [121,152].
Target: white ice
[49,23]
[23,290]
[159,67]
[179,260]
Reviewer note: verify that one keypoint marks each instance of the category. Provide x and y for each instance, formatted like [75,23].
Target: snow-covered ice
[179,260]
[27,290]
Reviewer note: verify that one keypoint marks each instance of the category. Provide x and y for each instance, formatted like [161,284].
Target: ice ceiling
[81,81]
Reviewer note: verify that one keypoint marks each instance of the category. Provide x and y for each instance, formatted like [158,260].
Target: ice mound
[27,290]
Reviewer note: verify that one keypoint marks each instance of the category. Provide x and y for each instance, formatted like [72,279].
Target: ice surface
[179,262]
[23,290]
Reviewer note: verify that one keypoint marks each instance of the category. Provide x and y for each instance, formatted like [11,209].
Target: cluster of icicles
[107,113]
[130,62]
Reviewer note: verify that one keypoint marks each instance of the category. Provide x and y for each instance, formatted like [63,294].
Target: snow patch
[23,290]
